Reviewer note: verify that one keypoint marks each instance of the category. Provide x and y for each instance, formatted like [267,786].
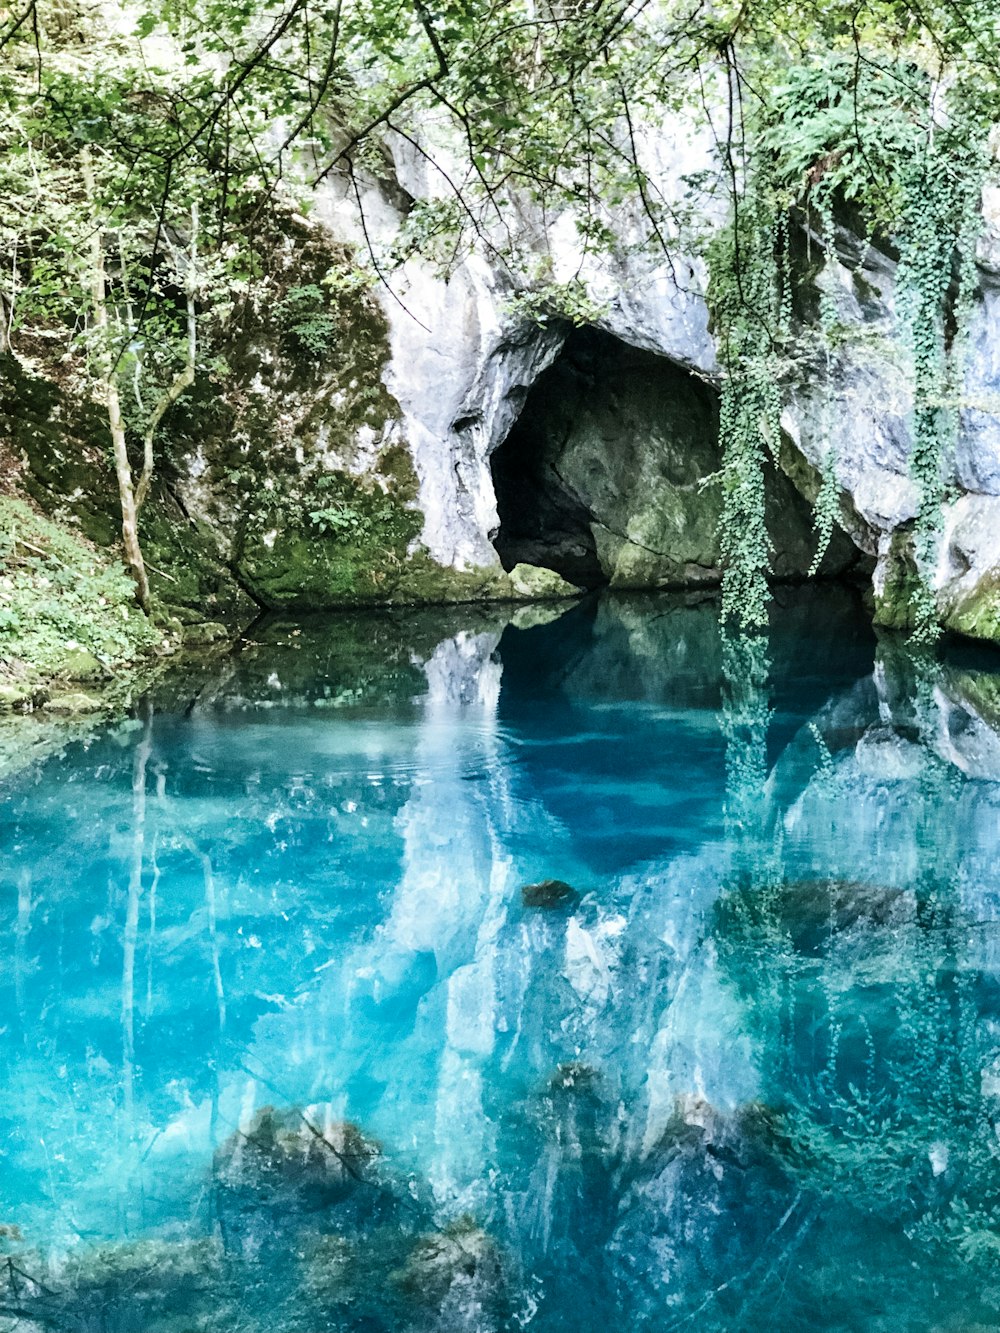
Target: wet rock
[13,696]
[532,581]
[549,894]
[460,1266]
[205,631]
[73,703]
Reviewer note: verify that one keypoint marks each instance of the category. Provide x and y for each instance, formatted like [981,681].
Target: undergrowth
[65,608]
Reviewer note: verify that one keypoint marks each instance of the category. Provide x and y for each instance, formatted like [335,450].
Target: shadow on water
[568,968]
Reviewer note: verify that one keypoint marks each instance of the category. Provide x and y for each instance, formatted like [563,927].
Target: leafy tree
[200,118]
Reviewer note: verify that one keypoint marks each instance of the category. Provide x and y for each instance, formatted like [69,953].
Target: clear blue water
[285,1046]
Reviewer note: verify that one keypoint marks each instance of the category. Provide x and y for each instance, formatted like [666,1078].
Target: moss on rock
[531,582]
[900,589]
[977,614]
[342,542]
[67,611]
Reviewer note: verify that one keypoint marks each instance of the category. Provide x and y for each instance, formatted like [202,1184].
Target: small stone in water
[549,893]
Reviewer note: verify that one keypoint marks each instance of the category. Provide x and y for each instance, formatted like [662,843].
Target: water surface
[285,1044]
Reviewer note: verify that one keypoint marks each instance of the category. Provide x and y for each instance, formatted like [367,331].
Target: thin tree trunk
[109,386]
[182,380]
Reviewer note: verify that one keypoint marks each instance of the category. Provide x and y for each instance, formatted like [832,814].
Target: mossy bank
[70,631]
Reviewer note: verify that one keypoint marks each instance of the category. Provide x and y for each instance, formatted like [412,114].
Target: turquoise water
[284,1044]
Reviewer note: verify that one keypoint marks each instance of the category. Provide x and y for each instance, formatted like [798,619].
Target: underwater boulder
[287,1167]
[456,1272]
[712,1196]
[135,1287]
[549,895]
[287,1148]
[395,1279]
[810,915]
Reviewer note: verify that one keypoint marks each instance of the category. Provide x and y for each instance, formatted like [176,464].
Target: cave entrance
[598,478]
[611,474]
[543,518]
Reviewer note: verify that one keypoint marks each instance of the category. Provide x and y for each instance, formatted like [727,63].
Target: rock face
[609,475]
[444,438]
[588,450]
[861,408]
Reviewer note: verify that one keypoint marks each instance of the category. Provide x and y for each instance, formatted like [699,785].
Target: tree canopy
[175,134]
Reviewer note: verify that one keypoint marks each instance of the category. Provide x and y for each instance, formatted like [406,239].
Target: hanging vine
[826,510]
[869,135]
[940,221]
[747,306]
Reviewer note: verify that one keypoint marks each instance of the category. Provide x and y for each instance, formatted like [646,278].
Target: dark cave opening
[543,519]
[603,424]
[611,474]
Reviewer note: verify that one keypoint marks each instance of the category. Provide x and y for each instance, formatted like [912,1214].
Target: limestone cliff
[443,432]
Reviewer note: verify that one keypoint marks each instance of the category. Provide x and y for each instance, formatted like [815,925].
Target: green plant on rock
[304,316]
[746,304]
[64,608]
[549,302]
[940,218]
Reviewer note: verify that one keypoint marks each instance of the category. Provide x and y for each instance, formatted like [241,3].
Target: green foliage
[567,302]
[304,315]
[839,128]
[59,598]
[941,217]
[745,299]
[826,511]
[862,129]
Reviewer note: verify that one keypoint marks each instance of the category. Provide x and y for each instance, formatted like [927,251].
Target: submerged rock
[548,894]
[136,1287]
[287,1148]
[460,1254]
[286,1169]
[814,910]
[711,1197]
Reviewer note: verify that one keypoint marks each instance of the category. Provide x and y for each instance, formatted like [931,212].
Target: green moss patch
[977,615]
[66,610]
[894,605]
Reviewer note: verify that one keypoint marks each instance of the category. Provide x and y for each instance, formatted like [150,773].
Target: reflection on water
[445,973]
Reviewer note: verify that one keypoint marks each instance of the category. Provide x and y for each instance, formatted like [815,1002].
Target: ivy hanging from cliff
[940,221]
[826,509]
[880,140]
[747,307]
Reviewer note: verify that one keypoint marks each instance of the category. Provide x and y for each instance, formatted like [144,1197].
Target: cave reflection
[461,973]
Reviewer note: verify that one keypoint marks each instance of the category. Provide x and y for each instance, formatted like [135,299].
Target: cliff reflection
[462,975]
